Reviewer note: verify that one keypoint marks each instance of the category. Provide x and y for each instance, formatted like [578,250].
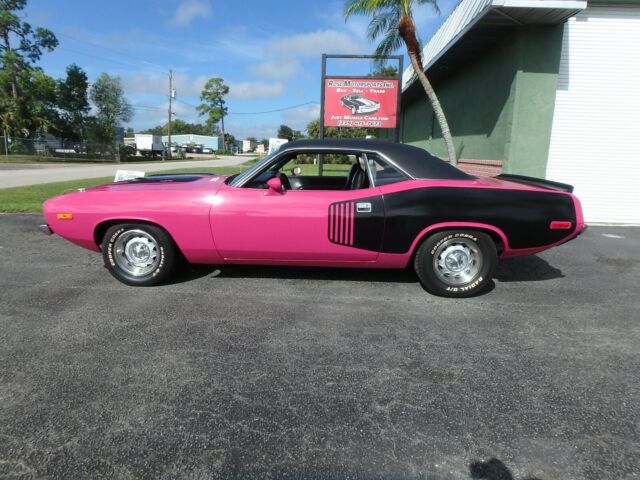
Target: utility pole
[172,95]
[224,142]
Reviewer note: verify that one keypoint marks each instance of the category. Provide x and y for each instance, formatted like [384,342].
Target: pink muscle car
[397,206]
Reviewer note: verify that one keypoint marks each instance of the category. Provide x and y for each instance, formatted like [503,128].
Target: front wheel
[138,254]
[456,263]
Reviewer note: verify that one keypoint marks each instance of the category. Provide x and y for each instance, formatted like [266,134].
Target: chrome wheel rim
[457,261]
[137,253]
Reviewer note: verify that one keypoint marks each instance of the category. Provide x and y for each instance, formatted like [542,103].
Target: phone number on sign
[359,123]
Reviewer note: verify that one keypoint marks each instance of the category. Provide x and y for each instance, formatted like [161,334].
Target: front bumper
[44,228]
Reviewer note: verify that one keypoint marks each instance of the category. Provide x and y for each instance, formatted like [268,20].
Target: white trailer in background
[248,146]
[149,145]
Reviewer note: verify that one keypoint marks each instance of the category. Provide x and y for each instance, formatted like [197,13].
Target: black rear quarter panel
[523,215]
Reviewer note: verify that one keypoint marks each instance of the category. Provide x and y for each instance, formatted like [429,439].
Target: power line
[274,111]
[126,64]
[259,113]
[122,54]
[185,103]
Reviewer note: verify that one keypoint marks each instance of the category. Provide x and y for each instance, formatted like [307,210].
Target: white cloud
[242,131]
[158,84]
[279,68]
[189,10]
[245,90]
[186,86]
[299,118]
[146,117]
[314,44]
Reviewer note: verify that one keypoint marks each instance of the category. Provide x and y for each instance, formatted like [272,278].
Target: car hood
[190,181]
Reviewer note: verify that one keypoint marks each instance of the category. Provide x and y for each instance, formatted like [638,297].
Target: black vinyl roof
[413,160]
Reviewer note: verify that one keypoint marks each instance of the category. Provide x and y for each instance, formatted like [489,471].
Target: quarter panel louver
[341,223]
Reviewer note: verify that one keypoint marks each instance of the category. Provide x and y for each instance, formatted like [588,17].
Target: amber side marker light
[558,225]
[64,216]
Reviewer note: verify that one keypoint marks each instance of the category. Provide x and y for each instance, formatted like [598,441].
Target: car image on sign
[396,206]
[359,104]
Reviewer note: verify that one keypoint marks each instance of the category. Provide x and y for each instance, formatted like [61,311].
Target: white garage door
[595,141]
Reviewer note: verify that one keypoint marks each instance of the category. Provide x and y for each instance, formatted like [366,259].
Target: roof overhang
[476,25]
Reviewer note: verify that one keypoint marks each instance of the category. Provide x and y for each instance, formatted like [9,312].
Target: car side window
[308,164]
[300,170]
[382,172]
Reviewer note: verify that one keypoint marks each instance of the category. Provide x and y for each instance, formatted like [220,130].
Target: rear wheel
[138,254]
[456,263]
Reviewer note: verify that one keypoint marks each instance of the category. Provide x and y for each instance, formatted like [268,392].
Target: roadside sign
[124,175]
[360,102]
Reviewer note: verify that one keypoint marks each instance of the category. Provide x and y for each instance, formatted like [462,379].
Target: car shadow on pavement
[492,469]
[525,269]
[194,272]
[519,269]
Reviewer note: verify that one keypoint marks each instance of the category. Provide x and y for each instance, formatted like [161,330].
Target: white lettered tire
[456,263]
[138,254]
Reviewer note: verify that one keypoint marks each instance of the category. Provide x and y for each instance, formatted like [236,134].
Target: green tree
[289,133]
[392,22]
[213,105]
[41,102]
[35,109]
[73,102]
[20,47]
[113,108]
[129,132]
[229,140]
[159,130]
[384,71]
[180,127]
[20,44]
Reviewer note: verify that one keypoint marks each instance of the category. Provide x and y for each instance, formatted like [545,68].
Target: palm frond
[368,7]
[389,44]
[433,3]
[382,24]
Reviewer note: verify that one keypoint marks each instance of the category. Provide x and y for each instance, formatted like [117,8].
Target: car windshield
[238,179]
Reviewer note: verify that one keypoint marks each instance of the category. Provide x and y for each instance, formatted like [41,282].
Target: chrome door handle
[363,207]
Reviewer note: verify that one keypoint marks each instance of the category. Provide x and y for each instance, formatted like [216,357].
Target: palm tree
[392,20]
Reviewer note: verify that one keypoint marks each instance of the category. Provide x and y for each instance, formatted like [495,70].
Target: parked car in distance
[398,206]
[207,150]
[359,104]
[194,148]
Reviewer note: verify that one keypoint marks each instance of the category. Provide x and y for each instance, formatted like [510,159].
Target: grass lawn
[16,158]
[30,198]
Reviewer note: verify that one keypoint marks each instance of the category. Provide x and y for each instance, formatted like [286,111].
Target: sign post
[360,101]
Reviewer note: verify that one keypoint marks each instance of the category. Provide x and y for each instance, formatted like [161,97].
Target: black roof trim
[413,160]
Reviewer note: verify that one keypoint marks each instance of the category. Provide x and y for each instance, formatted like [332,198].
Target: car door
[298,226]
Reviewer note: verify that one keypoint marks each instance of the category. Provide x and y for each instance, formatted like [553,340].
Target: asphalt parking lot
[262,372]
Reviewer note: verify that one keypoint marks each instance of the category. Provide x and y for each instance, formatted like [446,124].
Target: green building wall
[499,106]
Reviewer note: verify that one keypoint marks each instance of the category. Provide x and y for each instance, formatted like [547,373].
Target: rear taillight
[560,225]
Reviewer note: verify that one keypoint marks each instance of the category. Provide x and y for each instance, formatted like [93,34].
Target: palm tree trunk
[407,30]
[437,109]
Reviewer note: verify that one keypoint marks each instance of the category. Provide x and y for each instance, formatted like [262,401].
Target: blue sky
[268,52]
